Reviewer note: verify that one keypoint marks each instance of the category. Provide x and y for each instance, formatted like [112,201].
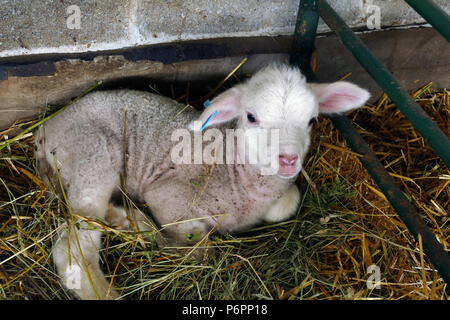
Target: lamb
[124,139]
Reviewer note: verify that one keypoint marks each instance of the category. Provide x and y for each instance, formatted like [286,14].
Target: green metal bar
[395,196]
[406,211]
[401,98]
[305,33]
[433,14]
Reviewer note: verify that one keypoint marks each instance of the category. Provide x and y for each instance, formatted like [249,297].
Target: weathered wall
[34,27]
[152,40]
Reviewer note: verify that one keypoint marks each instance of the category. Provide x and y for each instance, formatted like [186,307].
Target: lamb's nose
[288,159]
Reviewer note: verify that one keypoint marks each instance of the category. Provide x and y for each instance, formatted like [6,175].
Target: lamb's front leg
[284,207]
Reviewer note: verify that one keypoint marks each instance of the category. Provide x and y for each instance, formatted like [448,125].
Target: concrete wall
[43,62]
[36,27]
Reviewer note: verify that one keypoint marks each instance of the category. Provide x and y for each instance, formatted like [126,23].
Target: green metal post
[433,14]
[401,98]
[305,33]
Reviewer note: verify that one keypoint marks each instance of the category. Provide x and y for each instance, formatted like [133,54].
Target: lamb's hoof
[201,254]
[196,253]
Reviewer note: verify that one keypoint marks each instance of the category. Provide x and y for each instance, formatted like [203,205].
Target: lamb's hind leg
[77,262]
[76,253]
[135,220]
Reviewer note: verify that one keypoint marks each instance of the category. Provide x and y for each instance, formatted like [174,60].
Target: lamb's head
[278,102]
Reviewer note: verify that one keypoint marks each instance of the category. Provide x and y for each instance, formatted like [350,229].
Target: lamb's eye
[312,121]
[251,118]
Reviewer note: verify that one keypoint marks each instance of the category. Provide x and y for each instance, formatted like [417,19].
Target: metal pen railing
[303,47]
[433,14]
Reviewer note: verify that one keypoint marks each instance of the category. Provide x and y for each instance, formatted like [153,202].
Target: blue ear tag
[206,103]
[209,118]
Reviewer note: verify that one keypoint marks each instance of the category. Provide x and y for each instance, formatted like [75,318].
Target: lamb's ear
[339,96]
[226,107]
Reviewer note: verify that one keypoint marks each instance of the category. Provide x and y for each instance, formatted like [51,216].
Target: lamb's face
[276,109]
[278,102]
